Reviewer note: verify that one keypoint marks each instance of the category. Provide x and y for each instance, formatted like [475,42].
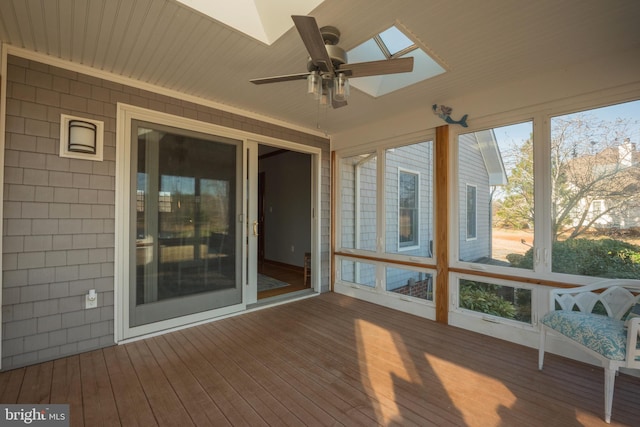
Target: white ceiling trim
[84,69]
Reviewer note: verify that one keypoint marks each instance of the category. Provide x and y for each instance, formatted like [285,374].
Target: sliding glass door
[187,197]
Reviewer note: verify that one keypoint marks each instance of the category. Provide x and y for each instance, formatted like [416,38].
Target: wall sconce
[81,138]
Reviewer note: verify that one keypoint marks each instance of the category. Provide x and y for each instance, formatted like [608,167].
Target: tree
[592,161]
[515,210]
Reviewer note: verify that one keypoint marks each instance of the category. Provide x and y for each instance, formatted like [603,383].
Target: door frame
[262,179]
[253,212]
[125,114]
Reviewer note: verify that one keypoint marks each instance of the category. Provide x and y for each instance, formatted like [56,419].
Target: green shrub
[607,258]
[482,297]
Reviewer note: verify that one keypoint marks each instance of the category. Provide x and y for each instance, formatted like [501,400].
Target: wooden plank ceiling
[164,43]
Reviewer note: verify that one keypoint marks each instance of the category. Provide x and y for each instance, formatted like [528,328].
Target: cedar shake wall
[58,224]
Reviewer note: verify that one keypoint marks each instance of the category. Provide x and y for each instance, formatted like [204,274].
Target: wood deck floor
[326,360]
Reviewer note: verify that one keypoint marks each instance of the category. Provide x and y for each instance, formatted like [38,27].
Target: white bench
[603,336]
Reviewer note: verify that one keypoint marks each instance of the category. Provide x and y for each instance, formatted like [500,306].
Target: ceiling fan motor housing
[338,56]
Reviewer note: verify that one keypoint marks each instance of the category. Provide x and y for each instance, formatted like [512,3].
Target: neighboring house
[484,168]
[609,179]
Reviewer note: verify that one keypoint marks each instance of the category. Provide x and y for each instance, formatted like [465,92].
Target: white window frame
[416,242]
[540,116]
[382,259]
[498,327]
[379,295]
[541,119]
[597,206]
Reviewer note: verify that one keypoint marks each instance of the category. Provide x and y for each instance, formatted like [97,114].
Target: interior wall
[59,213]
[287,203]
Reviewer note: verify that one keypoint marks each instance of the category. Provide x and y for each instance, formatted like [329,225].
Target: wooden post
[441,183]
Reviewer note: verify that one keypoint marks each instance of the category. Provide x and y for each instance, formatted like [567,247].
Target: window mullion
[381,225]
[382,46]
[542,194]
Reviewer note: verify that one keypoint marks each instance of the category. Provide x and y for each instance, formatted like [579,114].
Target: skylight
[264,20]
[392,43]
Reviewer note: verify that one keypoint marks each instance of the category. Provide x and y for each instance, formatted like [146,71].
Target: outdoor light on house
[82,137]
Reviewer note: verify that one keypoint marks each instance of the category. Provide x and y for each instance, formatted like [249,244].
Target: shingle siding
[59,213]
[472,171]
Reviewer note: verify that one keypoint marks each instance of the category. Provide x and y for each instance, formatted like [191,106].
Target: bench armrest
[633,352]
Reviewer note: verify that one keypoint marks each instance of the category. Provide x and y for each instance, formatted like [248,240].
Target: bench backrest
[613,298]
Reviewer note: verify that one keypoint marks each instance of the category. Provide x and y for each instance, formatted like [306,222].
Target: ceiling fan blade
[276,79]
[312,39]
[338,104]
[375,68]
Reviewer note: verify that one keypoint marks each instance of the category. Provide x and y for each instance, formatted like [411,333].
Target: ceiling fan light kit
[341,85]
[314,84]
[328,71]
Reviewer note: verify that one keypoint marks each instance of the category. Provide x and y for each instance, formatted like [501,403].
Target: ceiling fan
[327,69]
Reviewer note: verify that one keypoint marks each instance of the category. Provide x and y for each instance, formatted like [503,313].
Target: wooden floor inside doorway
[292,275]
[329,360]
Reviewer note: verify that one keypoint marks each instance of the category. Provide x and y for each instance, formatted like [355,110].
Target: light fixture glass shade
[325,99]
[341,87]
[82,137]
[314,84]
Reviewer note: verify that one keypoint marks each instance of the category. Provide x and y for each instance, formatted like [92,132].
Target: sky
[511,135]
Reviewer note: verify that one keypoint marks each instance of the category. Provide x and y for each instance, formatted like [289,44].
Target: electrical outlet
[91,299]
[293,249]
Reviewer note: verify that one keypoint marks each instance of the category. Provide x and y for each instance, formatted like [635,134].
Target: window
[408,199]
[504,301]
[359,198]
[495,196]
[385,227]
[596,208]
[393,43]
[411,283]
[577,185]
[360,273]
[595,177]
[587,174]
[253,18]
[471,211]
[408,208]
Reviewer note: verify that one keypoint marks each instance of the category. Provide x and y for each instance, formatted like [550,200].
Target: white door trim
[126,113]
